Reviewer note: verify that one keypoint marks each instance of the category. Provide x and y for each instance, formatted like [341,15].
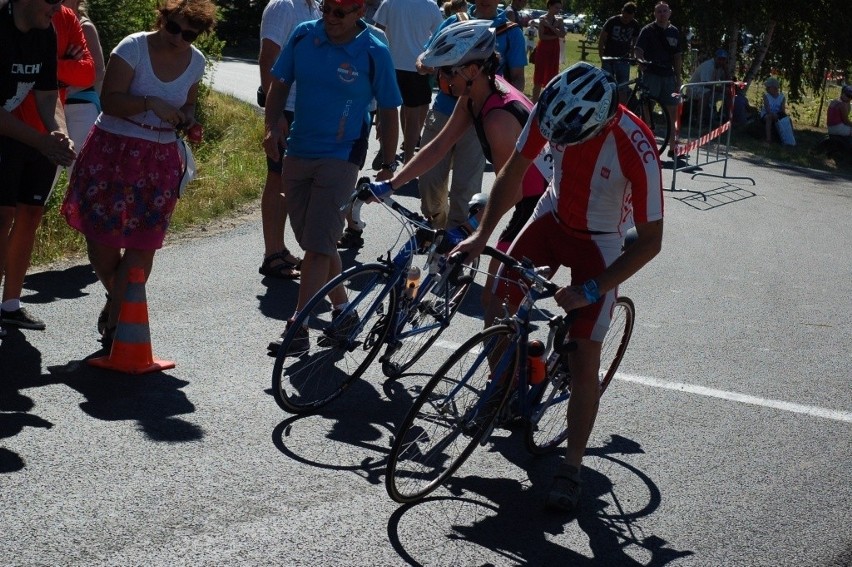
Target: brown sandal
[284,269]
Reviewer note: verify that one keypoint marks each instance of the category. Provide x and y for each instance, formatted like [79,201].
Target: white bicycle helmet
[576,104]
[460,43]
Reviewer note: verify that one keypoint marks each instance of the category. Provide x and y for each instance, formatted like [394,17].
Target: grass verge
[231,170]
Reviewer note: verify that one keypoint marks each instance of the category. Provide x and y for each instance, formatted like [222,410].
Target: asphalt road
[725,439]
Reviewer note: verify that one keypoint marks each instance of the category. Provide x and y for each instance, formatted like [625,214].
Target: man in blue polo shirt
[340,67]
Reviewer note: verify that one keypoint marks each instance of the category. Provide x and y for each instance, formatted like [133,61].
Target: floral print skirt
[123,190]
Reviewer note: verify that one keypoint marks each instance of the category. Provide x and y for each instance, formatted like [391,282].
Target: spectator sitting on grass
[774,106]
[838,114]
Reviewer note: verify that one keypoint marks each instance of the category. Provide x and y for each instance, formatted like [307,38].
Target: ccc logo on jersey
[347,73]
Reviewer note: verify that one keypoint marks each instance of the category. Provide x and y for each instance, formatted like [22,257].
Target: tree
[815,35]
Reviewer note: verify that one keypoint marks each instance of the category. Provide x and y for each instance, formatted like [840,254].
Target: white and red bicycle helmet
[576,104]
[460,43]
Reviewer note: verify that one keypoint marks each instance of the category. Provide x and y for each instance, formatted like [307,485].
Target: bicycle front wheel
[323,352]
[452,414]
[654,114]
[616,340]
[423,323]
[548,428]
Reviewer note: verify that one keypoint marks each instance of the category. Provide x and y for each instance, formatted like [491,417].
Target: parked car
[574,23]
[529,15]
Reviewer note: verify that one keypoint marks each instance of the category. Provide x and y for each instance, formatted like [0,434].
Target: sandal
[284,269]
[352,238]
[104,315]
[564,493]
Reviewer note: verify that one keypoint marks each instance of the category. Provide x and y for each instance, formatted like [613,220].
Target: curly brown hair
[200,14]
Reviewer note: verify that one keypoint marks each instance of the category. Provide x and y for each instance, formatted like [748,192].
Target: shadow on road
[279,301]
[490,521]
[152,400]
[51,285]
[20,368]
[358,428]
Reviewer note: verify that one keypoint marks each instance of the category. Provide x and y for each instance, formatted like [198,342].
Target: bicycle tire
[448,418]
[304,381]
[547,428]
[424,324]
[654,114]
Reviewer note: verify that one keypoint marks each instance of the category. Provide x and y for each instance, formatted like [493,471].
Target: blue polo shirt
[511,45]
[336,85]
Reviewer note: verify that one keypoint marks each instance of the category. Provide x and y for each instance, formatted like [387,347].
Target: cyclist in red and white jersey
[607,178]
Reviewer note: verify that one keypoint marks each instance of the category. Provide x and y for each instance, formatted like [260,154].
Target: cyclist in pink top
[465,55]
[606,178]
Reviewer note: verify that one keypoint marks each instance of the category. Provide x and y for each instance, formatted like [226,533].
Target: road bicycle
[646,106]
[462,403]
[324,351]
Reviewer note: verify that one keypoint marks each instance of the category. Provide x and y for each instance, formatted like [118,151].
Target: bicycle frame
[538,287]
[400,264]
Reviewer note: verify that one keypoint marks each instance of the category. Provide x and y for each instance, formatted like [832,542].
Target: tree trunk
[762,49]
[732,34]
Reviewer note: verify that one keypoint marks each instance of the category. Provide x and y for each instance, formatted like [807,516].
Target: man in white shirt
[709,71]
[277,23]
[409,24]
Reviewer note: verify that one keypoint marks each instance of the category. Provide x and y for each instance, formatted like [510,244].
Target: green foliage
[116,19]
[809,38]
[240,19]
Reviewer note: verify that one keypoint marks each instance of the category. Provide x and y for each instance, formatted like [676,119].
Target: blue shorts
[620,71]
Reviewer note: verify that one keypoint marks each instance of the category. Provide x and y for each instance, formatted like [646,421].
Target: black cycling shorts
[26,175]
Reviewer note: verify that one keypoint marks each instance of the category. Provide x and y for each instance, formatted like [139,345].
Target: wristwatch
[590,290]
[392,166]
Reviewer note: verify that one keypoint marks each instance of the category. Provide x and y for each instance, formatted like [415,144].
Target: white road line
[836,415]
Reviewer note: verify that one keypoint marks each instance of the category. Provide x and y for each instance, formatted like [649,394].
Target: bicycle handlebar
[534,275]
[363,193]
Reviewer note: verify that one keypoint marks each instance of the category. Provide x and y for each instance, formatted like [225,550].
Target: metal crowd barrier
[703,131]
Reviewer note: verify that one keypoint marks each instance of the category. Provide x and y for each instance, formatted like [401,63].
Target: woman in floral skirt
[124,186]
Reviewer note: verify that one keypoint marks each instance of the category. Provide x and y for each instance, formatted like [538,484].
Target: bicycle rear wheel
[315,365]
[452,414]
[548,428]
[654,114]
[424,322]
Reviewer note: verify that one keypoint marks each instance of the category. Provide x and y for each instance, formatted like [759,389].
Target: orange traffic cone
[131,347]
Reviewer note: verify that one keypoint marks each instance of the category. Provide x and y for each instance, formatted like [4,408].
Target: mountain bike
[646,106]
[324,351]
[485,382]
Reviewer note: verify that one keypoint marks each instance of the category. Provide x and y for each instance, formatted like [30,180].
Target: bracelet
[590,290]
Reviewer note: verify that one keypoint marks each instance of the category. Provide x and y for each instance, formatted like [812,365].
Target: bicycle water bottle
[536,365]
[412,280]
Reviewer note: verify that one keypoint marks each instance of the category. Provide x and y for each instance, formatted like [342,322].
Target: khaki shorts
[316,189]
[661,87]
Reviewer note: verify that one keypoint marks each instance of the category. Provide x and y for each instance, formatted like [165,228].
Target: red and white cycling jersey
[605,184]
